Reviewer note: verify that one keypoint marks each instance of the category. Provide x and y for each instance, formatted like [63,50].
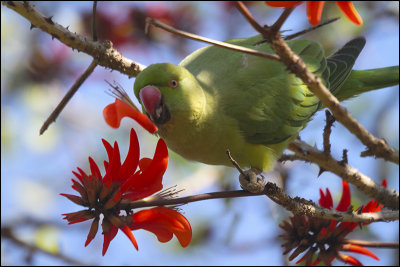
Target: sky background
[36,72]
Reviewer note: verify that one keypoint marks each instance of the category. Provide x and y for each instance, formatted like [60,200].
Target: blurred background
[37,71]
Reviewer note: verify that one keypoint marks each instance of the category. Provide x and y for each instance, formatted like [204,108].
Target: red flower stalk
[122,184]
[314,10]
[323,237]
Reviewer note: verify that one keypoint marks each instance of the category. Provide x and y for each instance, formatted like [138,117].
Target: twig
[246,13]
[388,197]
[234,162]
[7,232]
[94,27]
[295,64]
[283,17]
[298,206]
[294,35]
[327,131]
[53,116]
[150,21]
[104,53]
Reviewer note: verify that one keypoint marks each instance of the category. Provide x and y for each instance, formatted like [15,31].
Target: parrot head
[169,93]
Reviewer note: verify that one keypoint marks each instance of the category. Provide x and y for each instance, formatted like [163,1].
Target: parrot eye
[173,83]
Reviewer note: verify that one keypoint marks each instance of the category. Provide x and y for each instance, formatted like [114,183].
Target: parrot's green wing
[281,105]
[341,63]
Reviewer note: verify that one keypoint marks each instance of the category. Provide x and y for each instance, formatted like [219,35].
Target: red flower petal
[314,11]
[163,223]
[108,148]
[77,175]
[79,188]
[285,4]
[132,159]
[76,199]
[349,259]
[158,165]
[93,231]
[346,197]
[325,200]
[94,168]
[144,163]
[151,177]
[78,216]
[115,112]
[128,233]
[114,166]
[349,10]
[140,194]
[359,249]
[372,206]
[108,237]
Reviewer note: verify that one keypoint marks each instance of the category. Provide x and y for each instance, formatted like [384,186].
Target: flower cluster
[314,10]
[325,238]
[122,184]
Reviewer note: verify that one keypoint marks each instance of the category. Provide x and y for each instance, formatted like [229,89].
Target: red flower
[323,237]
[314,10]
[115,112]
[122,184]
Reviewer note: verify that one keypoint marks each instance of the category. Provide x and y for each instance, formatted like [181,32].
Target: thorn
[321,171]
[32,26]
[108,44]
[349,209]
[49,20]
[67,28]
[329,117]
[344,160]
[359,211]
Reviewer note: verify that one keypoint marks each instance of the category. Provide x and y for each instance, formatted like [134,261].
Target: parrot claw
[251,182]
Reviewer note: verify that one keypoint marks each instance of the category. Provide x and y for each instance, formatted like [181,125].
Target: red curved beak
[150,97]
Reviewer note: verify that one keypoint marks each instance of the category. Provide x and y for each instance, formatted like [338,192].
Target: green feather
[248,104]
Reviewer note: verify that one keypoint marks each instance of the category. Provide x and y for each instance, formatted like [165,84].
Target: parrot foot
[251,182]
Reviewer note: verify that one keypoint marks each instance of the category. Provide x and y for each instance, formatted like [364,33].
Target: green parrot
[218,99]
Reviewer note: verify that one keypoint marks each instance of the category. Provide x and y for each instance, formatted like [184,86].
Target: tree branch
[104,54]
[388,197]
